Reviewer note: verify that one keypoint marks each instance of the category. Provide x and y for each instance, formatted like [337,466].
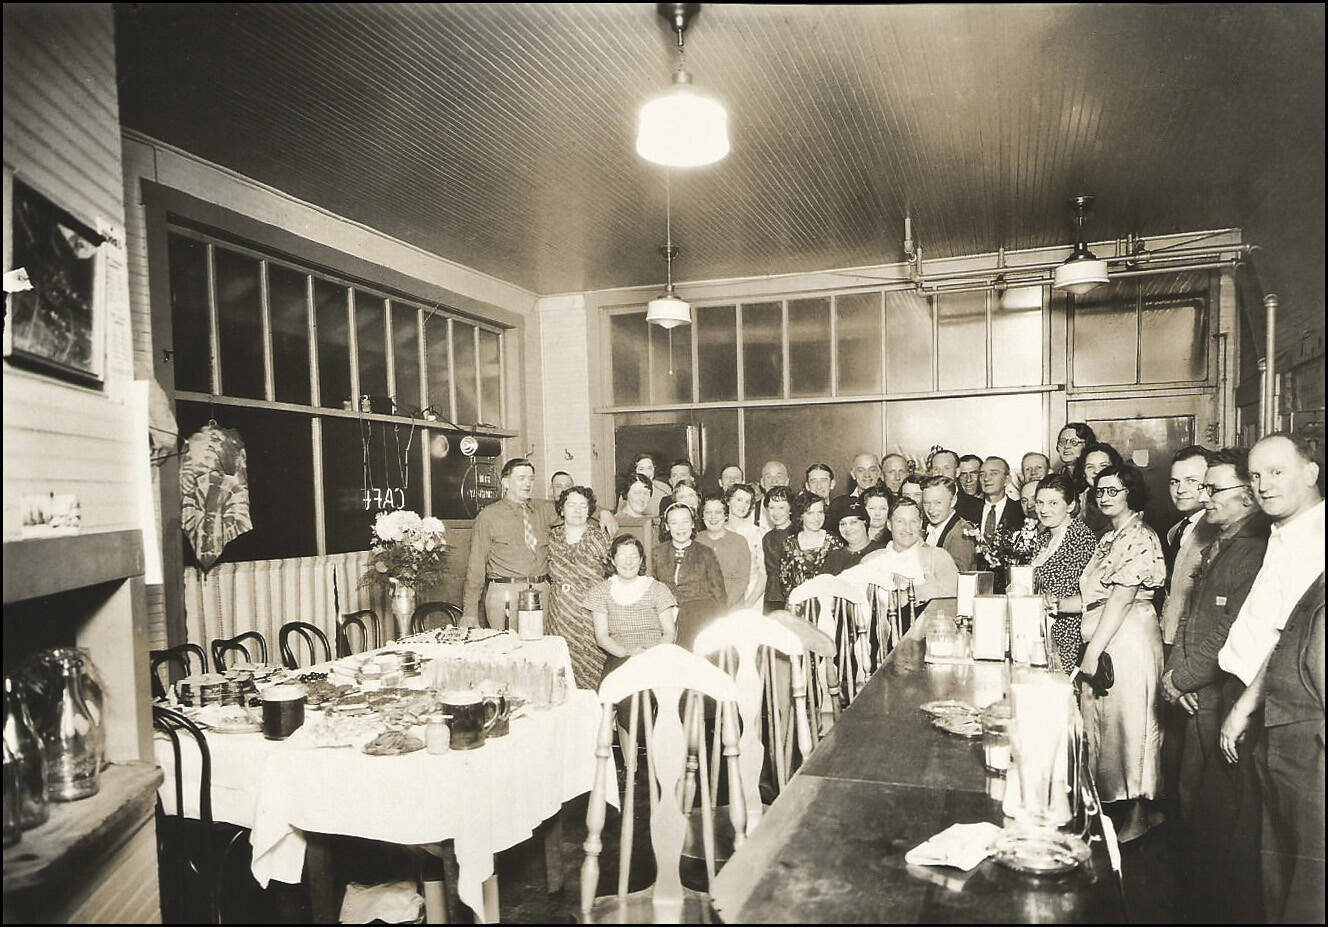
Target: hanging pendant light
[668,311]
[682,127]
[1081,272]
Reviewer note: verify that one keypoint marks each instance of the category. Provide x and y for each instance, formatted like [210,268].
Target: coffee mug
[470,716]
[501,724]
[283,711]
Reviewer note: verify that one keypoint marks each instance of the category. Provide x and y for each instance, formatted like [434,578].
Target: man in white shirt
[1284,478]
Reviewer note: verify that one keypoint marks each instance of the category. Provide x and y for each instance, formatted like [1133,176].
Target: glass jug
[73,734]
[42,678]
[25,751]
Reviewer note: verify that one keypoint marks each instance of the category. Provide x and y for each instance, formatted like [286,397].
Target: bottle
[23,747]
[74,737]
[13,830]
[529,615]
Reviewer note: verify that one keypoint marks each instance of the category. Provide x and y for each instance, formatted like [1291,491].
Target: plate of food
[393,743]
[229,719]
[960,725]
[949,708]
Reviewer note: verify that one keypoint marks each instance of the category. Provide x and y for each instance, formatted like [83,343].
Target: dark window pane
[406,357]
[907,343]
[393,477]
[288,309]
[803,435]
[809,347]
[239,325]
[279,454]
[961,321]
[371,343]
[491,379]
[717,352]
[627,341]
[707,437]
[189,315]
[762,351]
[1175,330]
[670,364]
[1105,334]
[858,342]
[333,344]
[1016,338]
[463,355]
[438,367]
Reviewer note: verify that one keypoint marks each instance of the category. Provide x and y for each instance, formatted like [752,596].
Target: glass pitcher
[73,733]
[42,678]
[25,750]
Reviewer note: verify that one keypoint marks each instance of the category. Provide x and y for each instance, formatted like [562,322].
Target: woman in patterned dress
[631,611]
[578,553]
[1065,545]
[1122,728]
[804,552]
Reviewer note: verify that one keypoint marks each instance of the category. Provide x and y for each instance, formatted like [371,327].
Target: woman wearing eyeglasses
[1070,444]
[1095,459]
[1118,619]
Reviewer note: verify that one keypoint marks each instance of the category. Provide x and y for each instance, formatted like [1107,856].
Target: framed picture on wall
[57,326]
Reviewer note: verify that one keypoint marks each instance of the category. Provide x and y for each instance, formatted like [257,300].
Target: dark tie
[989,523]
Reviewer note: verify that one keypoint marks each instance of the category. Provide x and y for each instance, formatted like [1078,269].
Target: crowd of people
[1214,717]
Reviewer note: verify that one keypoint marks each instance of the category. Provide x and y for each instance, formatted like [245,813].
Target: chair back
[840,609]
[677,680]
[240,645]
[425,615]
[179,663]
[184,853]
[819,694]
[882,629]
[745,643]
[366,621]
[315,643]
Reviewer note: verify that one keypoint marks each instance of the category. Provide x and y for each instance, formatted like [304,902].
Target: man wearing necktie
[509,550]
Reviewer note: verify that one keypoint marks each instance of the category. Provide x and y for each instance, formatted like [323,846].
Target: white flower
[388,527]
[432,525]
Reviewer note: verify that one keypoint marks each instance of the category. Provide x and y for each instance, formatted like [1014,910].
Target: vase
[403,607]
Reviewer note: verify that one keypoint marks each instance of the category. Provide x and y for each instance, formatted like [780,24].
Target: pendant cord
[668,228]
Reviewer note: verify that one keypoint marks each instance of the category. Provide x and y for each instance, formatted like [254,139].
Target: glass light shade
[669,311]
[682,128]
[1080,276]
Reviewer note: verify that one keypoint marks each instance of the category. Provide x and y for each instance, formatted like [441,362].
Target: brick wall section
[565,389]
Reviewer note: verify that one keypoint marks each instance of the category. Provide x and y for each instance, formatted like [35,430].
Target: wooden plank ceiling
[501,136]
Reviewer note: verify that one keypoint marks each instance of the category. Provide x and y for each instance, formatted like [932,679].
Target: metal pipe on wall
[1142,257]
[1268,423]
[1043,281]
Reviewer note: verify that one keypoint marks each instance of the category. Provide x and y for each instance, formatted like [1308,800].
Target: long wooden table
[831,847]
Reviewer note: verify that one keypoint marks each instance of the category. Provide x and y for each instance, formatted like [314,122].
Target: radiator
[262,595]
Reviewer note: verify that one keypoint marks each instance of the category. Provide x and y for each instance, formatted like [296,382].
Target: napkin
[962,846]
[391,902]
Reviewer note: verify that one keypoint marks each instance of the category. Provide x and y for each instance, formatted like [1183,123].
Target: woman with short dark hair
[578,551]
[1065,545]
[1115,600]
[691,571]
[1096,457]
[805,551]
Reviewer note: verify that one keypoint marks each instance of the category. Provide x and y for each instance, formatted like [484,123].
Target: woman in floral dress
[1065,545]
[804,552]
[578,555]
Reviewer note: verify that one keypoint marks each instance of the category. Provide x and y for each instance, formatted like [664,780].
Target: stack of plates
[204,689]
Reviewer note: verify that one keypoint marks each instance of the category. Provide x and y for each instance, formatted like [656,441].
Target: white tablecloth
[485,800]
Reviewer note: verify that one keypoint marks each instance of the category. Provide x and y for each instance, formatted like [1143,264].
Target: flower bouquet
[407,551]
[1008,548]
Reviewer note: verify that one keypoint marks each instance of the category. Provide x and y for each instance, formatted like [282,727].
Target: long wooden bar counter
[831,847]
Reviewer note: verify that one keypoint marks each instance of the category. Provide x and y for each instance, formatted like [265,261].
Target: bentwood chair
[240,645]
[426,616]
[366,621]
[838,608]
[668,673]
[179,661]
[191,865]
[315,643]
[745,644]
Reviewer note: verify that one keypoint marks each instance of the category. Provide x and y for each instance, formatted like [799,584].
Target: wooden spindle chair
[657,683]
[880,630]
[315,642]
[179,663]
[802,728]
[366,621]
[745,644]
[248,645]
[839,609]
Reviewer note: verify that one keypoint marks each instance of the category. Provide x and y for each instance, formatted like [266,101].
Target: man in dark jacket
[1218,802]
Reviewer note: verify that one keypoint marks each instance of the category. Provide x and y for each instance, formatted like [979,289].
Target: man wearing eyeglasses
[1215,800]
